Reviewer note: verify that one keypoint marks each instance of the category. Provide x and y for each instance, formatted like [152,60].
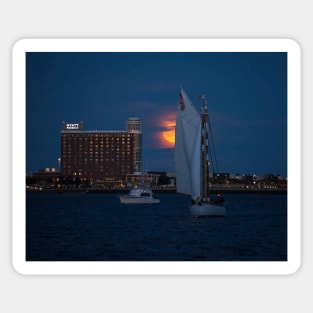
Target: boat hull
[207,210]
[137,200]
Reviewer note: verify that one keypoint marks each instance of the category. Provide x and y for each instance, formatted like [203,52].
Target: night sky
[246,94]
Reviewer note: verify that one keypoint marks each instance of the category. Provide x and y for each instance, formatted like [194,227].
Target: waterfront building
[133,126]
[100,156]
[136,179]
[46,176]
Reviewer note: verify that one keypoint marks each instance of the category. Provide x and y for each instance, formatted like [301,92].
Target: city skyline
[246,93]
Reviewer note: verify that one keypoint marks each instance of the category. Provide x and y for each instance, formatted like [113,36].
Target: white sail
[187,147]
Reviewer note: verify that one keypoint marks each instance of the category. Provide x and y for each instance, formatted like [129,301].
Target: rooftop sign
[72,126]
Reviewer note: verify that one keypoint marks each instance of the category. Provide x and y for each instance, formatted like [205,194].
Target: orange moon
[167,135]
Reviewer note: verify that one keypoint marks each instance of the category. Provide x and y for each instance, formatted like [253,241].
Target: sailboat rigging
[192,150]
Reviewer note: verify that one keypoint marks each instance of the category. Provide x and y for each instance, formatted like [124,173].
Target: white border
[156,45]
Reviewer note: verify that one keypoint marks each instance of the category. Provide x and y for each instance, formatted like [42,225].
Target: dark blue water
[96,227]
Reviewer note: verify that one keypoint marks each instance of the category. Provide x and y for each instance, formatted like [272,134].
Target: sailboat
[192,157]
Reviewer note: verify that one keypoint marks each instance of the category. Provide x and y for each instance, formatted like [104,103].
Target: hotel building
[101,156]
[133,126]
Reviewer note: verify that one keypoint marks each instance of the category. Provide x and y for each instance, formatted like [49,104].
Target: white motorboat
[139,195]
[192,160]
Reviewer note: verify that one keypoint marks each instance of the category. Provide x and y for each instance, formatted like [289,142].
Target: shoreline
[278,191]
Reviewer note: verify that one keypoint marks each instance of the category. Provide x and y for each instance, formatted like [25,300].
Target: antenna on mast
[204,103]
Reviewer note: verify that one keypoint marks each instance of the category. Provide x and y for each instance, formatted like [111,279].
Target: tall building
[133,126]
[100,156]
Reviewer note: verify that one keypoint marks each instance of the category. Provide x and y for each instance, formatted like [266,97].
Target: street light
[59,160]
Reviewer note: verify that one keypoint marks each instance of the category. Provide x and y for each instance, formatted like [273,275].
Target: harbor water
[97,227]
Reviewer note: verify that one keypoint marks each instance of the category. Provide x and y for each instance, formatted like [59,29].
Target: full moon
[165,136]
[168,134]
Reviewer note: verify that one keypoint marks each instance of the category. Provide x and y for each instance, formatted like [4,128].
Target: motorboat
[139,195]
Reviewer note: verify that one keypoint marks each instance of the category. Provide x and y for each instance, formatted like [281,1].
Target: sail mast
[204,149]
